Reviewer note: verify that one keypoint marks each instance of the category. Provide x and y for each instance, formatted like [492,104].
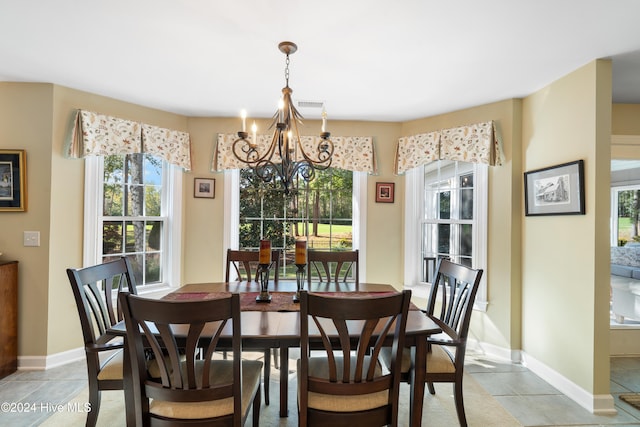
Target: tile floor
[533,402]
[529,399]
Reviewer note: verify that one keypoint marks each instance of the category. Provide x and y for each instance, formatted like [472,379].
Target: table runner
[280,301]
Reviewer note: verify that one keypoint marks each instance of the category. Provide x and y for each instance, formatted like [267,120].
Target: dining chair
[449,305]
[333,266]
[94,289]
[244,265]
[194,387]
[343,383]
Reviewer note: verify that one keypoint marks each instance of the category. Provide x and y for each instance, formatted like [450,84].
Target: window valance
[101,135]
[476,143]
[354,153]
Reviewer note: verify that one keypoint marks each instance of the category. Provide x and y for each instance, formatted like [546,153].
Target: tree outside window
[320,212]
[628,216]
[132,220]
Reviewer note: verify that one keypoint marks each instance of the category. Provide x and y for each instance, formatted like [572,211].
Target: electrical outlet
[31,238]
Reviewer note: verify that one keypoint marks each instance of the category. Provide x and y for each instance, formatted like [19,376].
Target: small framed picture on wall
[385,192]
[13,181]
[555,190]
[204,188]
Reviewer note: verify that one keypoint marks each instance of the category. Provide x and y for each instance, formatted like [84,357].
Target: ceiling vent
[310,104]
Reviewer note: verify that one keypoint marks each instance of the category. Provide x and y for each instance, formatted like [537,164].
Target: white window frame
[172,201]
[613,235]
[414,214]
[232,216]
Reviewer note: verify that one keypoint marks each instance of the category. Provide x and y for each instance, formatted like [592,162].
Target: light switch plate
[31,238]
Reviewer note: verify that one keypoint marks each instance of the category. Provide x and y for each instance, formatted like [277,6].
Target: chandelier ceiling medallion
[285,157]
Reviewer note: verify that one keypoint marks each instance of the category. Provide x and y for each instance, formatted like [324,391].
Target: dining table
[276,325]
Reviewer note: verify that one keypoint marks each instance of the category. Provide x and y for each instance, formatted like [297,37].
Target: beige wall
[37,118]
[625,119]
[565,259]
[546,280]
[625,132]
[26,124]
[204,218]
[48,318]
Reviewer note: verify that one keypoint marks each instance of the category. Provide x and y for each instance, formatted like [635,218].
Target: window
[335,222]
[625,214]
[132,209]
[449,222]
[446,217]
[320,211]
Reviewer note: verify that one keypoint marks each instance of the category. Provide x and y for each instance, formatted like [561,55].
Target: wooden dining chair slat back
[244,265]
[193,386]
[450,306]
[333,266]
[343,384]
[94,289]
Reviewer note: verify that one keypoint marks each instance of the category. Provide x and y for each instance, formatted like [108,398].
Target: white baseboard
[514,356]
[41,363]
[602,404]
[596,404]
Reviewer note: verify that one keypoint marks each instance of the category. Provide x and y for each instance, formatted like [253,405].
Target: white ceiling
[366,59]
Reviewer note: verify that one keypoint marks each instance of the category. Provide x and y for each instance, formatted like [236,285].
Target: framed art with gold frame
[13,181]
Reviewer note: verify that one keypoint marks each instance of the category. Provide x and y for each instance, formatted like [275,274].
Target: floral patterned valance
[416,150]
[354,153]
[171,145]
[477,143]
[100,135]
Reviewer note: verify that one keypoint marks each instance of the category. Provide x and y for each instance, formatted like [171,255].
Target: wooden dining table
[276,325]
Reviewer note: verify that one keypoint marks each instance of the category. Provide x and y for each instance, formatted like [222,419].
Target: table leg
[128,384]
[418,374]
[284,381]
[267,375]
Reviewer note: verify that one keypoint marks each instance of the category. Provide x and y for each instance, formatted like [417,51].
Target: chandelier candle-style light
[285,157]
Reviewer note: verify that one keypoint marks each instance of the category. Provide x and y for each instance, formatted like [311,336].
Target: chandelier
[285,157]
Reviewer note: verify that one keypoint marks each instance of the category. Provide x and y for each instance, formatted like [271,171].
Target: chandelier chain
[286,71]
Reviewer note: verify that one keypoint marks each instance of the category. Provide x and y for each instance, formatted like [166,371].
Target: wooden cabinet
[8,317]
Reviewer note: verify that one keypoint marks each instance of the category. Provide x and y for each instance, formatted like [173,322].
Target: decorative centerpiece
[301,263]
[264,264]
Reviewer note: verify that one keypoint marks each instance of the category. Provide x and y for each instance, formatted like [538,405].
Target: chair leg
[94,402]
[276,359]
[457,392]
[432,390]
[267,374]
[256,408]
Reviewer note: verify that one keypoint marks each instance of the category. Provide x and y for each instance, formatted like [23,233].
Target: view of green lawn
[625,230]
[336,236]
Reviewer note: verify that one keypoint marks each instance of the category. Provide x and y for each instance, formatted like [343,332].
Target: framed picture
[13,181]
[205,188]
[385,192]
[556,190]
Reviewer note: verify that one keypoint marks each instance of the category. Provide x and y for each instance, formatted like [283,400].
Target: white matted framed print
[204,188]
[556,190]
